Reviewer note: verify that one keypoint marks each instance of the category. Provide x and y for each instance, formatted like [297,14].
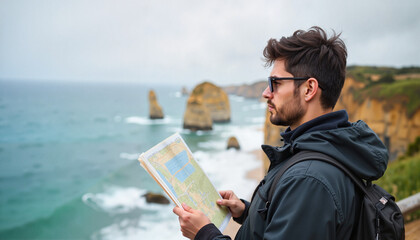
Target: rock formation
[197,116]
[206,99]
[390,121]
[155,198]
[233,143]
[271,136]
[254,90]
[184,91]
[155,110]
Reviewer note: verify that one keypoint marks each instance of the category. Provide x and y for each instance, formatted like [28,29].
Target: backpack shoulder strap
[311,155]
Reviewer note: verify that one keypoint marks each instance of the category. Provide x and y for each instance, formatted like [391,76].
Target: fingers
[229,194]
[227,203]
[178,211]
[187,208]
[182,212]
[235,205]
[190,220]
[226,194]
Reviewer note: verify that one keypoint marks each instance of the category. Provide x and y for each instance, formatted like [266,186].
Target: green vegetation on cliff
[404,92]
[391,85]
[364,73]
[402,178]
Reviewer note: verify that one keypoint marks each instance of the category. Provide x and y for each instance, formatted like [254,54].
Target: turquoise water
[68,158]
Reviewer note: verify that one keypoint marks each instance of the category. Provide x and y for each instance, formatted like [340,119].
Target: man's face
[284,102]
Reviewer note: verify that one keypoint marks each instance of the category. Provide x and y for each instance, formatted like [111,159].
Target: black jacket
[313,200]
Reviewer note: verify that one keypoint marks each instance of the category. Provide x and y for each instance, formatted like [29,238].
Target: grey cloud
[189,41]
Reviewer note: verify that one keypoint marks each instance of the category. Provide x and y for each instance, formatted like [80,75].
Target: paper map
[172,165]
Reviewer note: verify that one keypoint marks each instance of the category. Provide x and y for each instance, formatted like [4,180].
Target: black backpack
[380,218]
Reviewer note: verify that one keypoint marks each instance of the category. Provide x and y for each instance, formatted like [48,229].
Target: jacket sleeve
[210,232]
[242,218]
[302,207]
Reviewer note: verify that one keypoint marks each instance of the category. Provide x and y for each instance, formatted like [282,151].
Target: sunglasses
[274,79]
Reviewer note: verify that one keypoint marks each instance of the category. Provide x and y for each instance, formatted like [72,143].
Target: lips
[270,106]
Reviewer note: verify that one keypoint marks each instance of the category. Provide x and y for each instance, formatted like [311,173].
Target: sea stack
[184,91]
[155,110]
[233,143]
[206,99]
[197,116]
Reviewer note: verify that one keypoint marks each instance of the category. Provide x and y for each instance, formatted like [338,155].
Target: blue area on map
[180,167]
[168,184]
[185,173]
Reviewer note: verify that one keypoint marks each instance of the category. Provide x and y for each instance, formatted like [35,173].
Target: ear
[311,88]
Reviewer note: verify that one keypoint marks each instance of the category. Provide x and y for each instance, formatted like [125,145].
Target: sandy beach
[256,174]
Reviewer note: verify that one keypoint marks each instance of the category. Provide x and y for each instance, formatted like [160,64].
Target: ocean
[68,158]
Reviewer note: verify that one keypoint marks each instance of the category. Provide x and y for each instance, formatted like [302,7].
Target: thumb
[187,208]
[224,202]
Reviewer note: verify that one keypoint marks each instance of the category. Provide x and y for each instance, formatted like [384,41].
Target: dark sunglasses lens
[270,84]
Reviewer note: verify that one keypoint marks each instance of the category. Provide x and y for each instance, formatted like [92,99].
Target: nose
[267,93]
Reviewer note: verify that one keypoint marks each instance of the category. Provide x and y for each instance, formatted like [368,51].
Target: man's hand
[190,220]
[230,200]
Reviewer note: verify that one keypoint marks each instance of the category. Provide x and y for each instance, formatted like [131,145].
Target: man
[313,199]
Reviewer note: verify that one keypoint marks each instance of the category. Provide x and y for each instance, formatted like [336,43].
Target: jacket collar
[277,155]
[325,122]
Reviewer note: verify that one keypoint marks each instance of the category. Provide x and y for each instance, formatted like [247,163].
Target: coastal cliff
[395,121]
[387,99]
[206,104]
[247,90]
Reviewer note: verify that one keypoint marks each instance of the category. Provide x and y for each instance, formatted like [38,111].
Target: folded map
[173,167]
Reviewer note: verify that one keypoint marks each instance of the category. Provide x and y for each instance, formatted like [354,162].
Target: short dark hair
[312,54]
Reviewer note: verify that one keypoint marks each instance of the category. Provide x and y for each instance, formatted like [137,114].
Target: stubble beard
[288,114]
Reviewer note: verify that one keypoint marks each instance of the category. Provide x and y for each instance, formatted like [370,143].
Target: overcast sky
[186,42]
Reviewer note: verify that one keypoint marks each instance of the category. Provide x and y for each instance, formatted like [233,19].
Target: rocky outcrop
[206,99]
[184,91]
[197,116]
[233,143]
[248,90]
[390,121]
[155,110]
[271,136]
[155,198]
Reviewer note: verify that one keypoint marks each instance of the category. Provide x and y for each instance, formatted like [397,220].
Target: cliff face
[271,136]
[155,110]
[248,91]
[215,99]
[207,104]
[197,116]
[389,121]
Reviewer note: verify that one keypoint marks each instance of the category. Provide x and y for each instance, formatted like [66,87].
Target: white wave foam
[198,133]
[178,94]
[212,145]
[159,226]
[236,98]
[227,170]
[117,200]
[249,137]
[255,119]
[257,106]
[148,121]
[129,156]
